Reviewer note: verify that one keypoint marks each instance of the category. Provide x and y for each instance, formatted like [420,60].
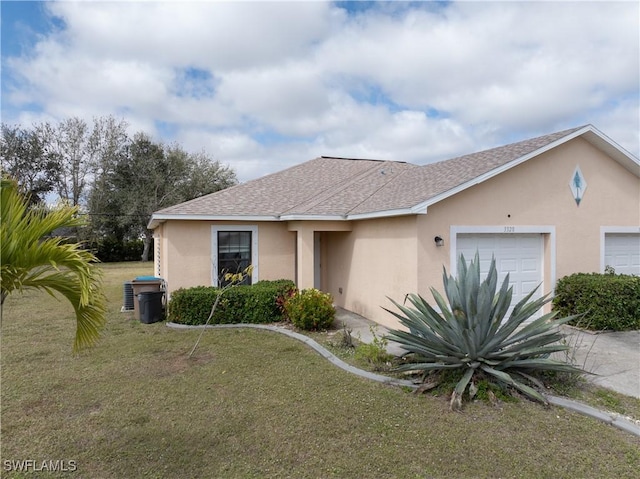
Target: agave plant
[471,334]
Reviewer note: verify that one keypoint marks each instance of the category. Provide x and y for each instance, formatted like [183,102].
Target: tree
[84,152]
[30,258]
[112,149]
[206,176]
[25,157]
[148,180]
[70,141]
[151,177]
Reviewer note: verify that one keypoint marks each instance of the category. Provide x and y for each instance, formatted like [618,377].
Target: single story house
[368,230]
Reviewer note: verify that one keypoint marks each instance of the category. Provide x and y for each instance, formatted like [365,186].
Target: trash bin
[150,306]
[143,284]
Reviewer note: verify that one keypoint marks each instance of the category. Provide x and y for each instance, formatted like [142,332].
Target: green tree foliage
[113,148]
[25,157]
[473,335]
[117,180]
[152,176]
[30,258]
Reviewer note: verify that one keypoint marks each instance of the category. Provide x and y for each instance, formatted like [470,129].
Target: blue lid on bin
[147,278]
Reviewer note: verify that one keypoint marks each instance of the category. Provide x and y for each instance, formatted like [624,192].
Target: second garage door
[622,252]
[519,255]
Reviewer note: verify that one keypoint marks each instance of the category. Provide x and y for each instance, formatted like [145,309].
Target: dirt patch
[179,363]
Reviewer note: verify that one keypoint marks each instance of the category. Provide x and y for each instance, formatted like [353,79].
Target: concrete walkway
[613,357]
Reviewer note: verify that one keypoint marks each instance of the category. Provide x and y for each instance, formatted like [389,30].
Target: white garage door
[622,252]
[519,255]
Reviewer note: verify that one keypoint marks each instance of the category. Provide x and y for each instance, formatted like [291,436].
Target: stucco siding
[186,256]
[375,260]
[361,262]
[277,251]
[537,193]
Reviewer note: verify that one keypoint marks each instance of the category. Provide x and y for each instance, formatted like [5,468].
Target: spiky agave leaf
[470,332]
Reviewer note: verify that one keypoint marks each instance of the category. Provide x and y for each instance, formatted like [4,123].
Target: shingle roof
[329,187]
[323,186]
[437,178]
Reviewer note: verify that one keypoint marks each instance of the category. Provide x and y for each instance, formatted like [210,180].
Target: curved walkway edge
[613,419]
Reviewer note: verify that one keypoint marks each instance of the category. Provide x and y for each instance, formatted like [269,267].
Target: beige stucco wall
[537,193]
[364,262]
[306,263]
[277,251]
[185,255]
[375,260]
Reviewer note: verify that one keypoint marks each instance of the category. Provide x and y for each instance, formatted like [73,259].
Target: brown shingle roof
[437,178]
[338,187]
[323,186]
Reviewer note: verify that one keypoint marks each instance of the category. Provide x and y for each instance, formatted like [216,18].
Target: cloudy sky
[265,85]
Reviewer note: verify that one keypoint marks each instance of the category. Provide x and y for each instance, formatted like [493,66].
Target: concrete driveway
[613,356]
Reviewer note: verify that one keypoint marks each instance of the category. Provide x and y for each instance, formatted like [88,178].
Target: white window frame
[604,230]
[214,249]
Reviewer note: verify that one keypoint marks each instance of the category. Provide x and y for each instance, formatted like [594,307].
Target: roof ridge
[386,183]
[361,159]
[325,193]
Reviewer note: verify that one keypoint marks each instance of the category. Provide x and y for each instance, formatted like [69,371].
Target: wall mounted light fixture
[439,241]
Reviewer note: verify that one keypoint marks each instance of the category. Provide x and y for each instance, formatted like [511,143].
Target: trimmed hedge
[258,303]
[608,301]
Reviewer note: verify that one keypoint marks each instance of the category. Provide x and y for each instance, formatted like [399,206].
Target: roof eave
[158,219]
[611,148]
[312,218]
[388,213]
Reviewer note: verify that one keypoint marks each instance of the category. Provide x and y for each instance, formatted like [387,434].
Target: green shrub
[110,249]
[473,334]
[374,354]
[607,301]
[239,304]
[310,309]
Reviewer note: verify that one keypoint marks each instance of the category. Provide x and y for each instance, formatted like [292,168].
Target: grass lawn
[256,404]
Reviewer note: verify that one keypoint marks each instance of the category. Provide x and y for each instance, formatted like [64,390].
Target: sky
[262,86]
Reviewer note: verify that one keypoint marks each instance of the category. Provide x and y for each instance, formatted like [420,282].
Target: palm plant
[30,258]
[471,335]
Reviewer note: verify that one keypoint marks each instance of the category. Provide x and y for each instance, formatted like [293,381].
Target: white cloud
[283,82]
[219,35]
[517,64]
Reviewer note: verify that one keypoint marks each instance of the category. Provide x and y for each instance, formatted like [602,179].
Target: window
[234,254]
[233,249]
